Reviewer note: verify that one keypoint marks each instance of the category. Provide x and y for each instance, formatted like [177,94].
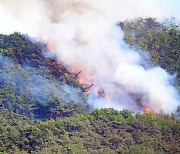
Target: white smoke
[86,36]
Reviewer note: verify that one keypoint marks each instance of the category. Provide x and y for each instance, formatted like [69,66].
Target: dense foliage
[43,107]
[102,131]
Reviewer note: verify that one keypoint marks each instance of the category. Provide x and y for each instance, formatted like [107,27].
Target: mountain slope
[44,109]
[34,85]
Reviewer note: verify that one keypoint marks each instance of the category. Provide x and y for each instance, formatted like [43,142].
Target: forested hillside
[162,41]
[102,131]
[44,109]
[33,85]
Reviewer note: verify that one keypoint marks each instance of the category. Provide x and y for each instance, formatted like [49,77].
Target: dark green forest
[44,109]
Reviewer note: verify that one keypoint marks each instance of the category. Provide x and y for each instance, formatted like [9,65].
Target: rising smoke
[86,37]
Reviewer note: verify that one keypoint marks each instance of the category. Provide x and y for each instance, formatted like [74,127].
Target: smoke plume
[86,37]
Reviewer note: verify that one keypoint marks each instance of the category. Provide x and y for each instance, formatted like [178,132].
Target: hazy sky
[171,6]
[26,16]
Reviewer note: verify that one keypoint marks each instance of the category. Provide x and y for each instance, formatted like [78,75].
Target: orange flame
[147,110]
[82,78]
[50,45]
[72,70]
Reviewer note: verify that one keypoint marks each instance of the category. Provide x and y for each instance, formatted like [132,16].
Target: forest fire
[87,36]
[94,53]
[82,78]
[49,44]
[147,110]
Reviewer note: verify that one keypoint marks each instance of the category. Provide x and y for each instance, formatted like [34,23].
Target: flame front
[82,78]
[50,45]
[147,110]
